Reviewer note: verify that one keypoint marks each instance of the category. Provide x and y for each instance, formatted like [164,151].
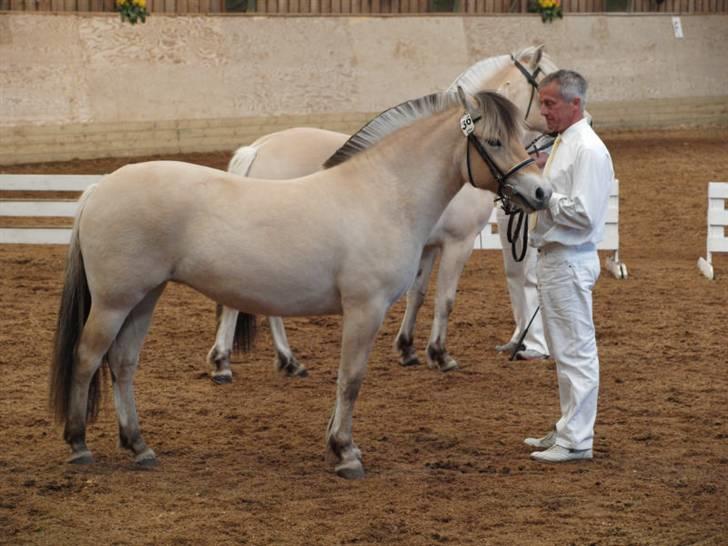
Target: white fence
[717,223]
[38,207]
[66,208]
[490,240]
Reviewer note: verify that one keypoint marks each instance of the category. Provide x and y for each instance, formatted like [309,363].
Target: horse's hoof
[411,360]
[291,367]
[222,378]
[448,365]
[146,459]
[82,457]
[350,470]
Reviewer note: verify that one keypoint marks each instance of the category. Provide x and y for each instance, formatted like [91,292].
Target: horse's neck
[421,173]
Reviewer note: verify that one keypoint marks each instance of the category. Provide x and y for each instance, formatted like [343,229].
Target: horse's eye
[494,143]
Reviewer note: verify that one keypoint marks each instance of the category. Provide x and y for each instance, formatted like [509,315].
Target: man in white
[566,236]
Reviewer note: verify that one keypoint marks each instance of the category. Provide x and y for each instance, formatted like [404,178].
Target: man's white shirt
[581,174]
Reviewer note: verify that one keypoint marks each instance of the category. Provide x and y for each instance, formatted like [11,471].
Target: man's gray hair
[571,83]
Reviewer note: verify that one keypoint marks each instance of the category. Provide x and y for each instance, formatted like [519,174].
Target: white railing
[717,224]
[490,240]
[39,207]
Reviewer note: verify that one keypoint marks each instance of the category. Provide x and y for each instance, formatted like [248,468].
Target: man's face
[559,114]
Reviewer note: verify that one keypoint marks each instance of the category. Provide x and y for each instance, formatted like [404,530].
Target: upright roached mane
[500,120]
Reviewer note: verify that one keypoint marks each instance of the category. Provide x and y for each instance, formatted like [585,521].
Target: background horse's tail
[246,328]
[74,309]
[242,160]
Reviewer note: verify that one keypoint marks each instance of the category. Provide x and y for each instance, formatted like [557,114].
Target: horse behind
[301,151]
[307,246]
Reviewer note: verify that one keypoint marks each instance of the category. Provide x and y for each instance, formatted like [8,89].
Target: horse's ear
[467,103]
[536,57]
[462,97]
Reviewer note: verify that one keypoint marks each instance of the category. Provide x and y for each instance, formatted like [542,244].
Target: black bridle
[505,190]
[530,78]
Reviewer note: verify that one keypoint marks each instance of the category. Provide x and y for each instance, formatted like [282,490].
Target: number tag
[466,124]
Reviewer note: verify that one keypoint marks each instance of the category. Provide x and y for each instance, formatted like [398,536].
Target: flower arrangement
[132,10]
[548,9]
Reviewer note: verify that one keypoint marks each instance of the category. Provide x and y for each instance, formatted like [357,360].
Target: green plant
[132,10]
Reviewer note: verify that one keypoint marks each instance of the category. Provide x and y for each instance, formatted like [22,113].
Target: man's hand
[541,158]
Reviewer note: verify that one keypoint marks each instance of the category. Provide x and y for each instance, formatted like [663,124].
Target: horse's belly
[266,290]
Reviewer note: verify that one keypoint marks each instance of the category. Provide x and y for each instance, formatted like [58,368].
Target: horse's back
[295,152]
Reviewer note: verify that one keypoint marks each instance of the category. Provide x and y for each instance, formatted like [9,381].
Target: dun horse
[301,151]
[345,240]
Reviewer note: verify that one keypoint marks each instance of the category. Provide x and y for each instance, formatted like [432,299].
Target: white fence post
[717,222]
[490,240]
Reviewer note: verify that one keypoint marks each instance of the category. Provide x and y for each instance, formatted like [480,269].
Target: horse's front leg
[360,326]
[285,361]
[404,342]
[454,256]
[219,356]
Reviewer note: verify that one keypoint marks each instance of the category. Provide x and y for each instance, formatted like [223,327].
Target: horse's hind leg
[98,333]
[360,326]
[285,361]
[453,259]
[404,342]
[123,361]
[219,355]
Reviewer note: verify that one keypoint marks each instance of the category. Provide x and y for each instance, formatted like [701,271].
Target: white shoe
[530,354]
[506,347]
[542,443]
[558,454]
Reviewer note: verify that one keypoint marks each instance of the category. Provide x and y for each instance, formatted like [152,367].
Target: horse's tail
[72,315]
[242,160]
[246,325]
[246,330]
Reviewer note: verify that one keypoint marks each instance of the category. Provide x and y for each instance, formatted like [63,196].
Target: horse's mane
[499,115]
[474,78]
[471,80]
[389,121]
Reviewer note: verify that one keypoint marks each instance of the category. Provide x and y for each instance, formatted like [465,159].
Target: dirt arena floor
[244,463]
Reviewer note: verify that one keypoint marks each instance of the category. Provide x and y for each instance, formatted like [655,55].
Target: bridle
[505,190]
[517,223]
[531,79]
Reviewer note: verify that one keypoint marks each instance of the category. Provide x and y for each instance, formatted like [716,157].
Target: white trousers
[566,277]
[521,279]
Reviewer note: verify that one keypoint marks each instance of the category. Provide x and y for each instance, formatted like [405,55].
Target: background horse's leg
[285,361]
[454,256]
[360,326]
[219,356]
[98,333]
[123,361]
[404,342]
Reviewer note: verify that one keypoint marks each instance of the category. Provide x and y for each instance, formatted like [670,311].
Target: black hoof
[222,379]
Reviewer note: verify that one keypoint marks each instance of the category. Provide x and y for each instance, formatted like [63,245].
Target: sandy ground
[244,463]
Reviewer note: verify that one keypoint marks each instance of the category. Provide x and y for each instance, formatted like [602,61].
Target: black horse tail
[72,315]
[246,329]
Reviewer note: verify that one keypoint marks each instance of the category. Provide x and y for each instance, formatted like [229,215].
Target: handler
[566,236]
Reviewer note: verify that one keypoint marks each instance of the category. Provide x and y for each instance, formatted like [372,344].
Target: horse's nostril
[539,194]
